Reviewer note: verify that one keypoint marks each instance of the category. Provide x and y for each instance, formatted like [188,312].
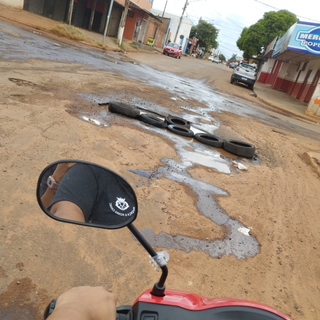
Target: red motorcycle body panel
[196,302]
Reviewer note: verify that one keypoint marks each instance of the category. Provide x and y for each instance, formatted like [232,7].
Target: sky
[231,16]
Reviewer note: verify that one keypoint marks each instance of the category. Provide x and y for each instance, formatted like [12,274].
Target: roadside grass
[121,46]
[134,46]
[101,45]
[71,32]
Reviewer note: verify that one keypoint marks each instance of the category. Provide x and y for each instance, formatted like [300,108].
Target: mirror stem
[158,288]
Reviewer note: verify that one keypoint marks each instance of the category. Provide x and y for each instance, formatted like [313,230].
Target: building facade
[13,3]
[93,14]
[293,64]
[183,33]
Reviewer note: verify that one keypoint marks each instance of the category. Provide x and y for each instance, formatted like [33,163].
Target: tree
[207,34]
[222,57]
[264,31]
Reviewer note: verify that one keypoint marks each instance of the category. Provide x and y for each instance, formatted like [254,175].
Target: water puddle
[235,243]
[186,92]
[191,153]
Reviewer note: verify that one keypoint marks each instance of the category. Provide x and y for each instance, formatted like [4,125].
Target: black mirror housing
[85,193]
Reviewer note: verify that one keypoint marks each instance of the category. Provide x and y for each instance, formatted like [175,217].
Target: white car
[245,73]
[210,58]
[216,60]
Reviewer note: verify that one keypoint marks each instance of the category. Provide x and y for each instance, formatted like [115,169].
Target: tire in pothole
[178,121]
[239,148]
[181,130]
[124,109]
[209,139]
[153,120]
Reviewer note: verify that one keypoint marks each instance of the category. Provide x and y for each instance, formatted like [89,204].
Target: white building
[184,30]
[13,3]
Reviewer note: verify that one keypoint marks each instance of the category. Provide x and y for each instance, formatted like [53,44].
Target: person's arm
[67,210]
[58,174]
[76,194]
[85,303]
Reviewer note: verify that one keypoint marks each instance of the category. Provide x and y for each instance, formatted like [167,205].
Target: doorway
[312,87]
[136,30]
[304,84]
[143,30]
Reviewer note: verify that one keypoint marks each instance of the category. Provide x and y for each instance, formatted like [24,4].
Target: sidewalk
[275,99]
[283,102]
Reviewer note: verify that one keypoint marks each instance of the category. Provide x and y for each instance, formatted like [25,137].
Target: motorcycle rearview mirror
[85,193]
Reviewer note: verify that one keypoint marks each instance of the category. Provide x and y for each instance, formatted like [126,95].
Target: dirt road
[49,111]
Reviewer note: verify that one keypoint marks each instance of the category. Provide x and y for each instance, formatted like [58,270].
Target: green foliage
[207,34]
[264,31]
[222,57]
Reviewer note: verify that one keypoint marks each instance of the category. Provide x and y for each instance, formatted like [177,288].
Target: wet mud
[192,153]
[186,92]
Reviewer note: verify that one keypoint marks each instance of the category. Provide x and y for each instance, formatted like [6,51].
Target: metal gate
[35,6]
[53,9]
[60,12]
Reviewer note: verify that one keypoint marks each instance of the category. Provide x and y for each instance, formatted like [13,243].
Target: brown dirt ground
[278,199]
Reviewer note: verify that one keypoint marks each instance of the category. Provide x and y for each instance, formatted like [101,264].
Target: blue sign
[310,40]
[305,38]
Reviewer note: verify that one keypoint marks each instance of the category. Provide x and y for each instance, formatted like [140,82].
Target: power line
[267,5]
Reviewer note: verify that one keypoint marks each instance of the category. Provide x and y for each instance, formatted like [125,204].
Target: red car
[173,49]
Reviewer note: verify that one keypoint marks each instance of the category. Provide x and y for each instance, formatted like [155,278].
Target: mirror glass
[88,194]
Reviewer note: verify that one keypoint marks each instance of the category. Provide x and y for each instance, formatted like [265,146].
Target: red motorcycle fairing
[196,302]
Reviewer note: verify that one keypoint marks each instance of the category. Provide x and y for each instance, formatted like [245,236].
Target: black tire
[181,130]
[250,86]
[124,109]
[239,148]
[231,80]
[153,120]
[209,139]
[178,121]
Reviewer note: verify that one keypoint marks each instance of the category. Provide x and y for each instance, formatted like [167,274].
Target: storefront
[293,62]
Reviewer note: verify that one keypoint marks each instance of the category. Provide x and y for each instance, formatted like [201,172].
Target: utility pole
[108,21]
[70,11]
[93,10]
[164,8]
[184,9]
[123,21]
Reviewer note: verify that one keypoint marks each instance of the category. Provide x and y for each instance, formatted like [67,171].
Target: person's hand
[85,303]
[61,170]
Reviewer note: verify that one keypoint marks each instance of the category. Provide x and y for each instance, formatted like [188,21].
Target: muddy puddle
[191,153]
[236,242]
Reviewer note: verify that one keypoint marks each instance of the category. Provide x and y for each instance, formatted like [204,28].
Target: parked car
[210,58]
[173,49]
[245,73]
[232,65]
[216,60]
